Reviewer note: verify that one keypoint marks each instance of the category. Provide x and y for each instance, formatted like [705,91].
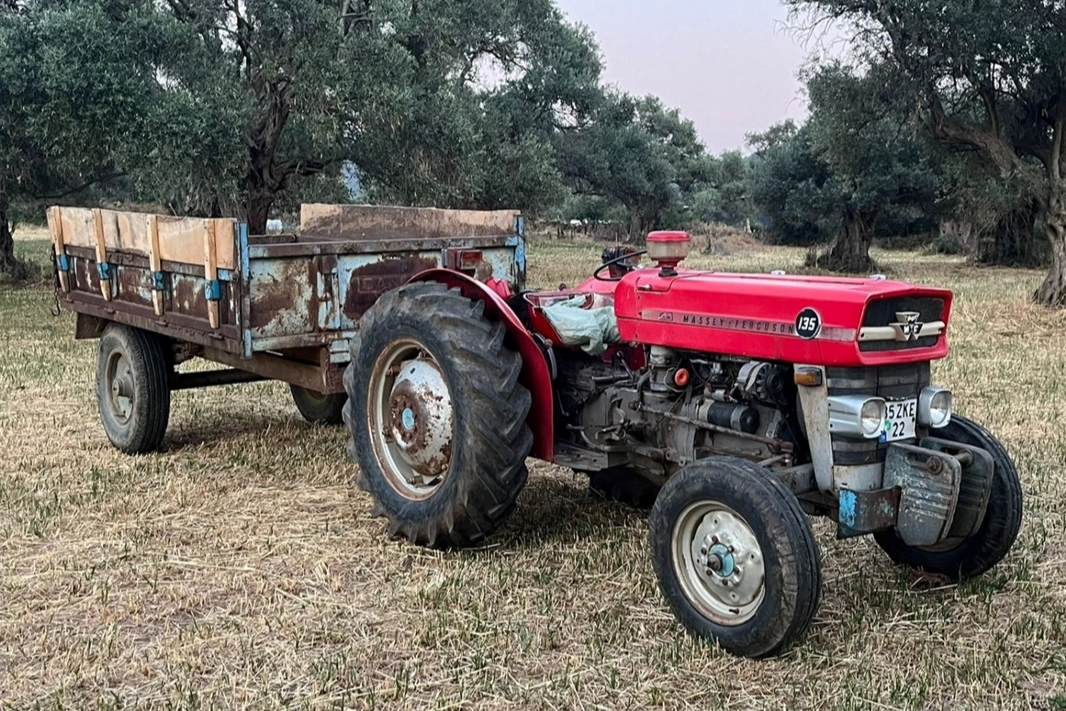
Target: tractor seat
[573,319]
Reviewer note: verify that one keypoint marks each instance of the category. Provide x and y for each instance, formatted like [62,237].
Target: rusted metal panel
[364,280]
[185,311]
[284,301]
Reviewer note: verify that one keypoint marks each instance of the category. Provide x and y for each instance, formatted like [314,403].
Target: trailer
[158,291]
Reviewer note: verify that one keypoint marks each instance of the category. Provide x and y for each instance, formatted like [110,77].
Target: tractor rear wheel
[959,559]
[316,408]
[437,416]
[735,556]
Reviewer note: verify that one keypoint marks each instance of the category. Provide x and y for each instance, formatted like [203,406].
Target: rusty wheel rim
[120,390]
[411,420]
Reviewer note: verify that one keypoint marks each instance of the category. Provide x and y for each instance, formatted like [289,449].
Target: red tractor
[736,404]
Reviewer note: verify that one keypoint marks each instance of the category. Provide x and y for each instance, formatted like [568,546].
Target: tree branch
[105,178]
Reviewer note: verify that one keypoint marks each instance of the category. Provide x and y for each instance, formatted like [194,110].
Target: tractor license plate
[899,420]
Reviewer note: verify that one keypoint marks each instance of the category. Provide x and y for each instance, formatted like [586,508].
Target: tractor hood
[798,319]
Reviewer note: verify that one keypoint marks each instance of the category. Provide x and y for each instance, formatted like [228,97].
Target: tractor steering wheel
[617,260]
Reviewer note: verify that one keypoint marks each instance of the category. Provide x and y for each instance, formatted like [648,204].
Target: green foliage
[793,187]
[851,168]
[983,76]
[637,152]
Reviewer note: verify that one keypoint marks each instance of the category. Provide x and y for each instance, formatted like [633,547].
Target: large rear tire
[437,416]
[133,388]
[318,409]
[967,558]
[735,556]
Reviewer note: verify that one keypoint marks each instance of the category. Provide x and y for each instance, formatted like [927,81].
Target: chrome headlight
[934,408]
[857,416]
[872,417]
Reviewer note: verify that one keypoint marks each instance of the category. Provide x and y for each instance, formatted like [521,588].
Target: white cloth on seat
[590,329]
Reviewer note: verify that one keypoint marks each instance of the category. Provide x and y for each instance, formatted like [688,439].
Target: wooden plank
[363,222]
[55,227]
[180,238]
[211,269]
[101,254]
[155,262]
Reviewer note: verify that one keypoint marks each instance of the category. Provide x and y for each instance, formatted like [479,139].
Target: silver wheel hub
[411,420]
[719,562]
[420,410]
[121,392]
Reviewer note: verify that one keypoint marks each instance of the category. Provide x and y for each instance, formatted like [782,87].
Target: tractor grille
[883,313]
[892,382]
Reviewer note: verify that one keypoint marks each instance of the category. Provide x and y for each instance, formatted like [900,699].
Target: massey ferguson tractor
[736,404]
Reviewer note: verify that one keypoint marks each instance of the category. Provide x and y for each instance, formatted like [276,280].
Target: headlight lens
[934,407]
[872,417]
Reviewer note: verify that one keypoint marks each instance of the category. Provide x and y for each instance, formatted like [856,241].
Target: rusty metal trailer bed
[280,307]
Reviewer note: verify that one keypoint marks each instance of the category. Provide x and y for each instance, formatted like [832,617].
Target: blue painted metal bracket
[63,262]
[158,281]
[104,270]
[863,512]
[213,289]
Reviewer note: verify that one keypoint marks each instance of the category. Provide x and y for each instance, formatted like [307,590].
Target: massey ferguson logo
[909,327]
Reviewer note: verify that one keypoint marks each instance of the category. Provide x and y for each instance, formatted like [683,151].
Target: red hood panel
[756,315]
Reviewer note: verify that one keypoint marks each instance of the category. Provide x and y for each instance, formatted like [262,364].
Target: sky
[729,65]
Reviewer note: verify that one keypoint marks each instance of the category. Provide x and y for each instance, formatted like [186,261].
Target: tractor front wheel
[962,558]
[735,556]
[437,416]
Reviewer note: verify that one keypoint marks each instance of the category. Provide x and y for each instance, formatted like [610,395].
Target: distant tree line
[946,123]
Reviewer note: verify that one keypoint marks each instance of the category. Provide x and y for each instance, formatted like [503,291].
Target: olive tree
[988,75]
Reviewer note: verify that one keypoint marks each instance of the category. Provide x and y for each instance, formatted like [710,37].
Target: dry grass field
[238,569]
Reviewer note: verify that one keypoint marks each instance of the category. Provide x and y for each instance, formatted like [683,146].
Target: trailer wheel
[132,388]
[437,416]
[318,409]
[964,558]
[735,556]
[624,486]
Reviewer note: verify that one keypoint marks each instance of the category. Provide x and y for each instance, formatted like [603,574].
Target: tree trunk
[1053,291]
[8,263]
[258,207]
[850,251]
[1013,242]
[638,225]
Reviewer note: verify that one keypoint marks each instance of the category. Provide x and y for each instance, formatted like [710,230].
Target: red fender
[536,376]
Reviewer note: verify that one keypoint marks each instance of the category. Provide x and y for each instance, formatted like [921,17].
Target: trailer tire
[437,416]
[625,487]
[980,552]
[735,556]
[133,388]
[318,409]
